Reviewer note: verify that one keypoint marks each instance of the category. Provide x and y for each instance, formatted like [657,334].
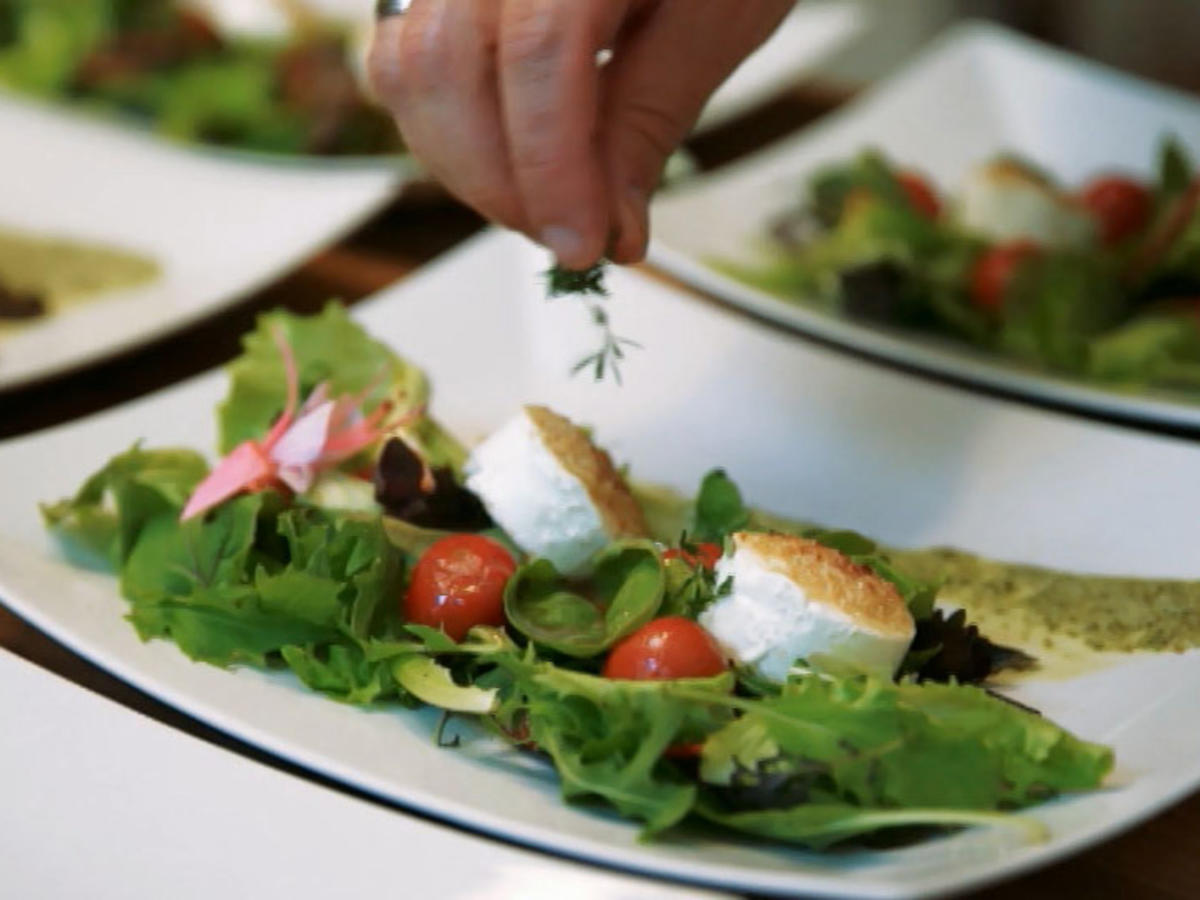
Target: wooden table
[1157,860]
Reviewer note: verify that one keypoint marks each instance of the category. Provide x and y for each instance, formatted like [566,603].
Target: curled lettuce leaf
[100,524]
[790,762]
[329,347]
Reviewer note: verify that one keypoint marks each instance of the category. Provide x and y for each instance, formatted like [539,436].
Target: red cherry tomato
[670,647]
[994,270]
[705,555]
[458,583]
[924,199]
[1120,205]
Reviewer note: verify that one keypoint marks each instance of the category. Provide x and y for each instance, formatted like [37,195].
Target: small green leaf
[719,508]
[430,682]
[584,618]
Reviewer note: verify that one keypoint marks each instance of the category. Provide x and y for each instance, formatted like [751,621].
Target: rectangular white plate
[140,811]
[220,227]
[805,431]
[978,91]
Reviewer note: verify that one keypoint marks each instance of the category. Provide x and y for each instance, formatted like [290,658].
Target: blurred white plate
[264,833]
[805,431]
[811,34]
[220,228]
[977,91]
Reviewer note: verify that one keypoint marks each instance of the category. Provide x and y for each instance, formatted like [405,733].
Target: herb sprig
[589,286]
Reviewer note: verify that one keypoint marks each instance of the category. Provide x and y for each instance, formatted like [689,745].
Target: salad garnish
[589,286]
[608,673]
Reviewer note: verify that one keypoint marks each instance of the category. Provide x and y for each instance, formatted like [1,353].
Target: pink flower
[322,434]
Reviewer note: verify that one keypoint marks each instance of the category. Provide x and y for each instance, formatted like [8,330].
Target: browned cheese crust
[833,580]
[594,468]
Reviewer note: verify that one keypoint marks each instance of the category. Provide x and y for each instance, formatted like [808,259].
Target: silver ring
[385,9]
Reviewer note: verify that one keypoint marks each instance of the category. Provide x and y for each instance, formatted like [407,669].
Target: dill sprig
[589,286]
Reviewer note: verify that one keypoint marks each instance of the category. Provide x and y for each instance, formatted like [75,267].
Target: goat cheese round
[1005,201]
[546,484]
[795,599]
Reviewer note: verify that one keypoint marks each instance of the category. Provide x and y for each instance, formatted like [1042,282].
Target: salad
[164,63]
[680,660]
[1097,282]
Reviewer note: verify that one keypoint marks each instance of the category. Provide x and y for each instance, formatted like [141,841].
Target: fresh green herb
[582,619]
[589,286]
[719,510]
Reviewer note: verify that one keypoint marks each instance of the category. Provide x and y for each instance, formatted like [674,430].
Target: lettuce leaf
[99,525]
[912,749]
[328,347]
[607,737]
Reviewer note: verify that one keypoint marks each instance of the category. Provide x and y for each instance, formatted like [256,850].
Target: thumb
[661,75]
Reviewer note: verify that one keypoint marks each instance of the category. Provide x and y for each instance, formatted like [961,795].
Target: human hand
[504,103]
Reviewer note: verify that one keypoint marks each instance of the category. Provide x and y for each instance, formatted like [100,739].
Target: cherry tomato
[670,647]
[994,270]
[705,555]
[458,583]
[1120,205]
[924,199]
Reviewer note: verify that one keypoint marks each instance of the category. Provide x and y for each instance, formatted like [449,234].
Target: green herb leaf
[719,509]
[99,525]
[582,619]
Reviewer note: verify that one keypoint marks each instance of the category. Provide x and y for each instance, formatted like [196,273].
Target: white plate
[220,228]
[977,91]
[805,431]
[264,834]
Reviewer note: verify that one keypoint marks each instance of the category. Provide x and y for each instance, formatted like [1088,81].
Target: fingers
[435,69]
[549,84]
[656,88]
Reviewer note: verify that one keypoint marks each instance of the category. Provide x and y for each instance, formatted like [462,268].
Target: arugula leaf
[624,592]
[906,747]
[223,625]
[719,509]
[607,738]
[343,672]
[99,525]
[173,558]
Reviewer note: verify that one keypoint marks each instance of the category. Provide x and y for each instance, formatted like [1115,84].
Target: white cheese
[790,600]
[550,507]
[1002,201]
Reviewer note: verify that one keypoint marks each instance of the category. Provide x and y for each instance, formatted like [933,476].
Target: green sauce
[63,272]
[1107,614]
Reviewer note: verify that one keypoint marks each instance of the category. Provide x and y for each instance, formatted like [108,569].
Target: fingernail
[565,243]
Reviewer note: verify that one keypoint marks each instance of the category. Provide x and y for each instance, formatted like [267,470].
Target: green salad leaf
[719,509]
[607,738]
[329,347]
[825,747]
[99,526]
[1056,304]
[582,619]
